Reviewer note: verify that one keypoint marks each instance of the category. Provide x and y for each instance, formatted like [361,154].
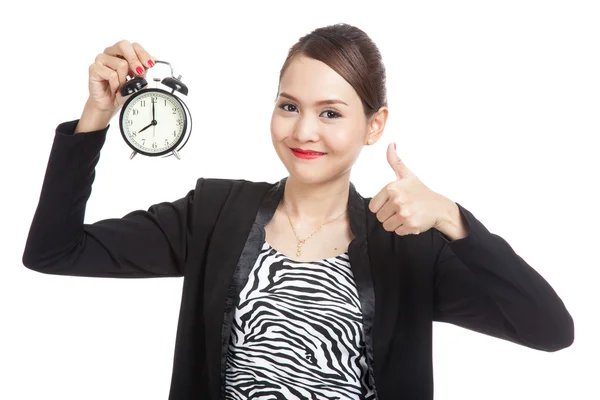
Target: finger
[130,72]
[378,201]
[393,223]
[125,49]
[120,65]
[388,210]
[99,73]
[382,197]
[402,230]
[392,158]
[143,55]
[400,169]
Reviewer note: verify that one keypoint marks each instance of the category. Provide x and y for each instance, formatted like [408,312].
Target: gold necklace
[301,242]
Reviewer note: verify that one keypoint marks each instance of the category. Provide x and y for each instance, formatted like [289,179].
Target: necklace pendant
[298,249]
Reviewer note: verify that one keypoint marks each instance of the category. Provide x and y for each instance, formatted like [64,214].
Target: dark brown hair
[353,55]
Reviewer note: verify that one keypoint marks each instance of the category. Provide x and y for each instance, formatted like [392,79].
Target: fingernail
[151,63]
[139,70]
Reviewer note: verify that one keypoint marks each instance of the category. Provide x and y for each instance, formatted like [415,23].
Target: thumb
[396,163]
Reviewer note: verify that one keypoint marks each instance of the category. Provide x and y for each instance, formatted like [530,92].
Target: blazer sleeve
[142,244]
[481,284]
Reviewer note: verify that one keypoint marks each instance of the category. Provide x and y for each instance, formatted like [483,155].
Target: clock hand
[146,127]
[154,121]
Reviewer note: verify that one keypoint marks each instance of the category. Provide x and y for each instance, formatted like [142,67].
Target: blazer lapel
[361,269]
[235,223]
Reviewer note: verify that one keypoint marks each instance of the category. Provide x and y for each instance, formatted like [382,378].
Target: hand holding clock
[110,90]
[106,75]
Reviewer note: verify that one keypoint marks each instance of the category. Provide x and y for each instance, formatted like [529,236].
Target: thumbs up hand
[406,205]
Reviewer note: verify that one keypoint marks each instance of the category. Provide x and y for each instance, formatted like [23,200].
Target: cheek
[278,128]
[344,140]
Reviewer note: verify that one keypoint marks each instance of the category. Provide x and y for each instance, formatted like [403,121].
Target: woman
[301,288]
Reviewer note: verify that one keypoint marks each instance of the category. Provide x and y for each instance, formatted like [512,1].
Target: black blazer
[212,236]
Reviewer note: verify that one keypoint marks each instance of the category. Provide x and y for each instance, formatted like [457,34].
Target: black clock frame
[145,91]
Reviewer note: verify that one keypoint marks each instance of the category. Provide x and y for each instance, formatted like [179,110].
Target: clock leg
[176,154]
[132,155]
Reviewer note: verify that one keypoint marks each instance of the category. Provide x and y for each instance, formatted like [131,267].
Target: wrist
[451,222]
[93,119]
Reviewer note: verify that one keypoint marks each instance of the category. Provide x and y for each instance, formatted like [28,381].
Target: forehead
[312,80]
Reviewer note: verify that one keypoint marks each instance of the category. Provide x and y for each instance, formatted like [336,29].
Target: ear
[376,124]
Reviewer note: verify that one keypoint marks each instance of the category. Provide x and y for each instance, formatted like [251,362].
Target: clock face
[153,122]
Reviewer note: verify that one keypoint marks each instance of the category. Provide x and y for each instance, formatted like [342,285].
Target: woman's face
[300,121]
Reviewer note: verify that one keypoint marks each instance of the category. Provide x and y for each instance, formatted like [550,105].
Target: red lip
[299,150]
[306,154]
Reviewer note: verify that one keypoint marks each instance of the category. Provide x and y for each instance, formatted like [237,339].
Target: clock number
[135,112]
[174,133]
[154,99]
[165,102]
[174,110]
[133,133]
[154,145]
[166,142]
[129,122]
[143,103]
[144,142]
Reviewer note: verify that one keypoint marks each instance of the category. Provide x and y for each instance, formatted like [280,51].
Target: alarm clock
[153,121]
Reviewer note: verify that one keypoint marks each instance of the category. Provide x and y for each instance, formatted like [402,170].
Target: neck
[316,203]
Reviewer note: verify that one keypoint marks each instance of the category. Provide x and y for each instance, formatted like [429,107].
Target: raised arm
[142,244]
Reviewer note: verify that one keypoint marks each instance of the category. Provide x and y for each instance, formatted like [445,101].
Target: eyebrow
[328,101]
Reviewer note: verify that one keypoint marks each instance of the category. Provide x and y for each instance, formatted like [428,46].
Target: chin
[305,173]
[312,176]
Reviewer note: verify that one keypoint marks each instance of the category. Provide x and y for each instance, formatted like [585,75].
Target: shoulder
[232,183]
[226,188]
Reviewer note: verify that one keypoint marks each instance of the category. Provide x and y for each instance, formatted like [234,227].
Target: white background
[493,104]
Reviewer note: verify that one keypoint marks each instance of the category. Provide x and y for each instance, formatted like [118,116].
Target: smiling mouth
[307,155]
[308,152]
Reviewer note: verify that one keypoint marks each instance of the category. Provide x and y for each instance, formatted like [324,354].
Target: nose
[306,129]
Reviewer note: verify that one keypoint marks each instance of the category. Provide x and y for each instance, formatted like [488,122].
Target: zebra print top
[297,332]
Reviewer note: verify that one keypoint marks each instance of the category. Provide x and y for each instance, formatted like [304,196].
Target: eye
[336,114]
[332,114]
[282,106]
